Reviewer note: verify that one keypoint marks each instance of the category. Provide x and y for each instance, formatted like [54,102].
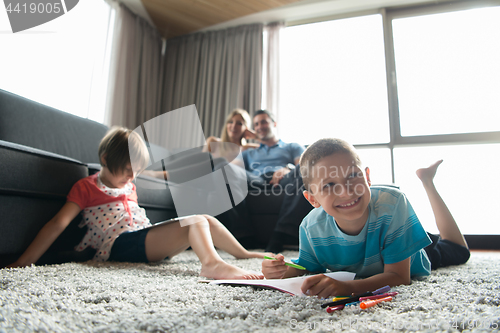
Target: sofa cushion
[39,126]
[266,200]
[34,172]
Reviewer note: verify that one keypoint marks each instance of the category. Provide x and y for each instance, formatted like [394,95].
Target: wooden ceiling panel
[178,17]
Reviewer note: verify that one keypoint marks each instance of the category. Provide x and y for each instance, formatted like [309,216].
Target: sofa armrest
[33,187]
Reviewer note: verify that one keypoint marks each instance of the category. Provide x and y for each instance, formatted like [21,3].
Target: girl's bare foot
[220,270]
[426,175]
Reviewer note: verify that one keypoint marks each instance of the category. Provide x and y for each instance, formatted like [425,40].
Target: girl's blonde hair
[246,121]
[121,146]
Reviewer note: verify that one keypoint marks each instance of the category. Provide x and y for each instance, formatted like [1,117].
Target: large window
[62,63]
[407,87]
[333,81]
[466,180]
[448,72]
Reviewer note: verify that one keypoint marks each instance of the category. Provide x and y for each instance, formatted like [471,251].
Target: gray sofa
[44,151]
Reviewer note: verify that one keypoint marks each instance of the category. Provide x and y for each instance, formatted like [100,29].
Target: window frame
[489,241]
[396,139]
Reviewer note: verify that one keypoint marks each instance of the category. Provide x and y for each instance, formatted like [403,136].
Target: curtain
[272,67]
[136,73]
[217,71]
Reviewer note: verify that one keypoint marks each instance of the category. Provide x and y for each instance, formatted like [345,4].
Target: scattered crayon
[357,297]
[394,293]
[353,303]
[338,298]
[370,303]
[330,309]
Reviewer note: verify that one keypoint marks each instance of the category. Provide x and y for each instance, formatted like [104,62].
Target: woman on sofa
[237,130]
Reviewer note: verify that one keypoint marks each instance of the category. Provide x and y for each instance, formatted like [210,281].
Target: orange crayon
[370,303]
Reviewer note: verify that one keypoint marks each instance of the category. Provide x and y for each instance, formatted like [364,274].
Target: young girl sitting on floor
[117,225]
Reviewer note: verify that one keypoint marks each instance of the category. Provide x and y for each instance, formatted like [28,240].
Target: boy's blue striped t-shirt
[392,234]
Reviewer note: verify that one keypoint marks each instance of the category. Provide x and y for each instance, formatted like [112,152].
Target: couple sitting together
[273,162]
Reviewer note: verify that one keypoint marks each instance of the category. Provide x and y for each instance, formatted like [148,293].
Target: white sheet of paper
[291,285]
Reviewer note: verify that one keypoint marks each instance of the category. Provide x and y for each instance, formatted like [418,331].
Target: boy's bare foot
[426,175]
[221,270]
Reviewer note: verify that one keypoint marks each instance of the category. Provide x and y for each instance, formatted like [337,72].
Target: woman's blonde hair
[121,146]
[246,121]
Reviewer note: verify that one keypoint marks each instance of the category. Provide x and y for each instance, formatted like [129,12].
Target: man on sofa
[276,162]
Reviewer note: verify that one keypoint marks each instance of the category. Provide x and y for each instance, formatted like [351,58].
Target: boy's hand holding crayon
[274,268]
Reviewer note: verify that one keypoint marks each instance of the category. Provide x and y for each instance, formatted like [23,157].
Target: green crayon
[287,263]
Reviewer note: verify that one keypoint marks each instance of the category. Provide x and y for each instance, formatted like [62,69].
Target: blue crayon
[353,303]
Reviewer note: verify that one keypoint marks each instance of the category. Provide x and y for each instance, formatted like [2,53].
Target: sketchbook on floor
[291,285]
[175,219]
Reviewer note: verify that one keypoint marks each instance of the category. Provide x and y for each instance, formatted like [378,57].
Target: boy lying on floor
[372,232]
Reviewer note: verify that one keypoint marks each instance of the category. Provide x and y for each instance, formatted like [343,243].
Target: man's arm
[278,175]
[297,151]
[246,161]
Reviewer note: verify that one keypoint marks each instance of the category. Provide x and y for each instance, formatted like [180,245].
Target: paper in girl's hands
[291,285]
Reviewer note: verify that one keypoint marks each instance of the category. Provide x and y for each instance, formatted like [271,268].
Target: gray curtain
[217,71]
[272,67]
[136,75]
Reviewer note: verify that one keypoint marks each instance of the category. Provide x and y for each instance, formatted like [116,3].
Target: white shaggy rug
[166,297]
